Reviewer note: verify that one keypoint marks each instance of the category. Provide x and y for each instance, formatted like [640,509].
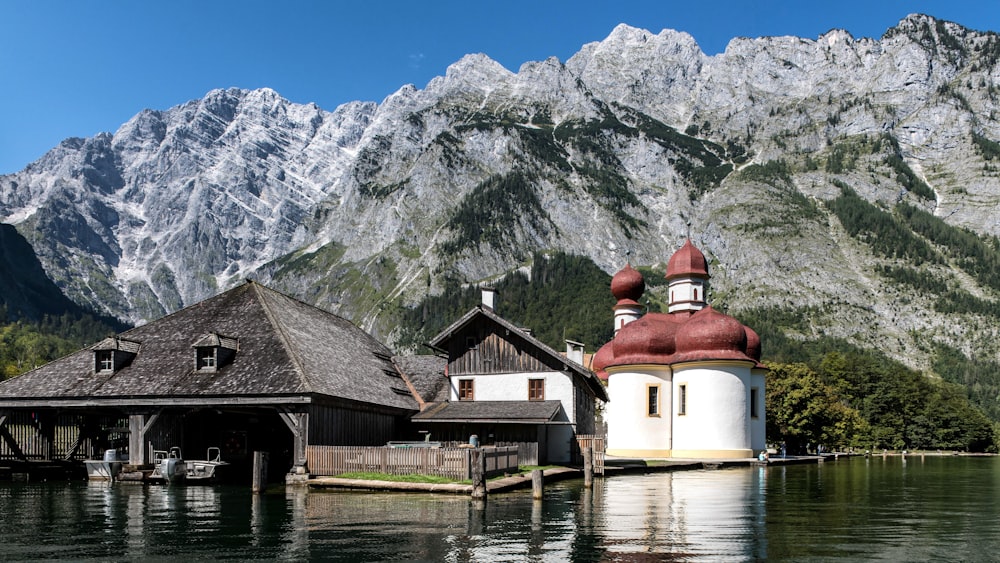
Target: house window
[470,342]
[754,411]
[653,400]
[682,396]
[206,359]
[536,389]
[105,360]
[696,294]
[465,392]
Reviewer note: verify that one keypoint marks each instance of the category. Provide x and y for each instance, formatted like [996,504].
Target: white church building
[687,383]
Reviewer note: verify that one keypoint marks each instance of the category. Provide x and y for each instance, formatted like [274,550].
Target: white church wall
[716,414]
[632,431]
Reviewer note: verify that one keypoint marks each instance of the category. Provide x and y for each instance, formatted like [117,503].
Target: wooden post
[478,473]
[537,483]
[588,467]
[259,472]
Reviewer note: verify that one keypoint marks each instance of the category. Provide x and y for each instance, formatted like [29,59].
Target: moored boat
[108,468]
[168,466]
[205,470]
[171,467]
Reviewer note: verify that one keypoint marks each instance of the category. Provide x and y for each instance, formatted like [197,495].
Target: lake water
[893,509]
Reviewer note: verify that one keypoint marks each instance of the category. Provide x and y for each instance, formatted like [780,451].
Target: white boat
[170,466]
[106,469]
[202,470]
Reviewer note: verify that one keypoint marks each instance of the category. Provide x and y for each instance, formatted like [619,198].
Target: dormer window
[213,352]
[113,354]
[105,360]
[207,359]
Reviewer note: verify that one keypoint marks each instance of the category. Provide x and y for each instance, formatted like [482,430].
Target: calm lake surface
[894,509]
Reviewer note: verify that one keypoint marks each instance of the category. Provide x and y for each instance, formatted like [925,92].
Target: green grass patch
[417,478]
[530,468]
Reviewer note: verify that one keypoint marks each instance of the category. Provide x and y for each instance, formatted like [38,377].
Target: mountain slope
[807,170]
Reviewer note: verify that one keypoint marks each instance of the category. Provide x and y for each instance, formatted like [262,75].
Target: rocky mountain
[849,183]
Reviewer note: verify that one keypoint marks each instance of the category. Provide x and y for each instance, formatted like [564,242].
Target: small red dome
[602,359]
[687,261]
[711,335]
[648,340]
[628,284]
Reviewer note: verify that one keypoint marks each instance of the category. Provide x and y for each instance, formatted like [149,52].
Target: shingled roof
[426,373]
[286,349]
[508,412]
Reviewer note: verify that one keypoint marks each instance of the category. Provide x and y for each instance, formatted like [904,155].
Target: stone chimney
[574,351]
[489,296]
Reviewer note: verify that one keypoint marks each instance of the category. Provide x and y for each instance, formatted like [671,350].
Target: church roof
[687,261]
[680,336]
[628,284]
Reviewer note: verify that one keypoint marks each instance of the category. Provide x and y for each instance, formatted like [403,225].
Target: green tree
[802,409]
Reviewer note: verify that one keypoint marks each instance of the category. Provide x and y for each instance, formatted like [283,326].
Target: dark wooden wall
[340,426]
[481,349]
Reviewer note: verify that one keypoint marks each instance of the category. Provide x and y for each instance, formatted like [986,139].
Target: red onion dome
[648,340]
[628,284]
[711,335]
[753,343]
[687,261]
[602,359]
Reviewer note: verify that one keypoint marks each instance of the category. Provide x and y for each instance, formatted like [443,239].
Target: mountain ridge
[370,207]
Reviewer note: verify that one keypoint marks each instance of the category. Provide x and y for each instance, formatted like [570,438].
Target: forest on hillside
[830,392]
[822,391]
[26,344]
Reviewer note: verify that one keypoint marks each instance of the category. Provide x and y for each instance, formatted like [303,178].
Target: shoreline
[612,467]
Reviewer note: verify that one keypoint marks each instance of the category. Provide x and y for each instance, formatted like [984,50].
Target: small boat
[168,466]
[171,467]
[108,468]
[204,470]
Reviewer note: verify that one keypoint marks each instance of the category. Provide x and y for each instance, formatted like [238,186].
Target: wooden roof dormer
[214,351]
[114,353]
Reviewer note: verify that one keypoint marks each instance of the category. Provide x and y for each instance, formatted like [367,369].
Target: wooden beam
[11,442]
[138,426]
[298,423]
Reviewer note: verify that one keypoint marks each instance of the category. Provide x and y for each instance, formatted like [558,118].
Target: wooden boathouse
[248,370]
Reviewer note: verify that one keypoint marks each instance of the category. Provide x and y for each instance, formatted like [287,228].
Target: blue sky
[76,68]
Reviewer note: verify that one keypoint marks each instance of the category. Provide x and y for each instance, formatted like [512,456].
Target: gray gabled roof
[426,373]
[509,412]
[439,342]
[285,347]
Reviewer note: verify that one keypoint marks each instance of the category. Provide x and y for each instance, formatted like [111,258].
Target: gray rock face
[632,144]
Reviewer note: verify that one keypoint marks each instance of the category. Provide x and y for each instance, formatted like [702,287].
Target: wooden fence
[454,463]
[527,452]
[597,444]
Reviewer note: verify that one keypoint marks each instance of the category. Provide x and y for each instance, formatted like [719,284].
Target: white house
[687,383]
[507,386]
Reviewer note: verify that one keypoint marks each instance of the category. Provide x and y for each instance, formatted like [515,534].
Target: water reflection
[705,514]
[888,508]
